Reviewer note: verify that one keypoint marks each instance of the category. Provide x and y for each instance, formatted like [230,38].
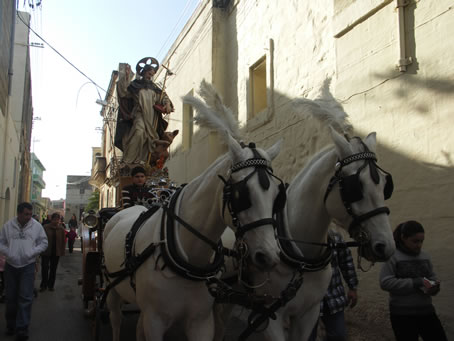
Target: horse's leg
[200,329]
[153,326]
[140,334]
[222,314]
[114,304]
[301,326]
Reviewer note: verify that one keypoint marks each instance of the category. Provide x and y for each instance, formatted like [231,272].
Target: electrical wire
[174,27]
[75,67]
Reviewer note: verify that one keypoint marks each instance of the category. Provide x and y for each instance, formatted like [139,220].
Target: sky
[95,36]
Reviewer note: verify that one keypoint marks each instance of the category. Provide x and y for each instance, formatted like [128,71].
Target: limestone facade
[16,110]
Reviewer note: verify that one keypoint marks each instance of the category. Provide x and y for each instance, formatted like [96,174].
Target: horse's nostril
[263,261]
[260,258]
[380,249]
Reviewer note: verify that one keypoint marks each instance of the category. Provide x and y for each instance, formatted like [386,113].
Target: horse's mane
[213,114]
[326,109]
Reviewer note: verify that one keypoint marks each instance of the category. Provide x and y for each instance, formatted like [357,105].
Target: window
[260,97]
[82,190]
[188,124]
[257,74]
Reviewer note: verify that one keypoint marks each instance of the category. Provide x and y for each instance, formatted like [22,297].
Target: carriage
[92,282]
[182,276]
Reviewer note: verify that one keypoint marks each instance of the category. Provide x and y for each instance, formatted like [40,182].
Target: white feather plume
[326,109]
[212,113]
[206,117]
[214,101]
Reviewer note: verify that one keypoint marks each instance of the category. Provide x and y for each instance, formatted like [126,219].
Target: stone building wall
[349,49]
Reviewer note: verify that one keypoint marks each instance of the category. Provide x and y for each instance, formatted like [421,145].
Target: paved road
[59,315]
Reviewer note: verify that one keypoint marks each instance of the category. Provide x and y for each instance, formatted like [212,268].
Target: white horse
[340,183]
[170,285]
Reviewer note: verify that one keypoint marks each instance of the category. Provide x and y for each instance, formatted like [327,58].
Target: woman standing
[409,278]
[73,222]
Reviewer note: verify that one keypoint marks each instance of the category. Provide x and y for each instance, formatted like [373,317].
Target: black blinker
[389,187]
[352,190]
[239,197]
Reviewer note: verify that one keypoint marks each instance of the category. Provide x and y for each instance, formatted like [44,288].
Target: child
[71,235]
[409,278]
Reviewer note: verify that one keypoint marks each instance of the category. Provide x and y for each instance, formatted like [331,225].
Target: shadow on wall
[423,192]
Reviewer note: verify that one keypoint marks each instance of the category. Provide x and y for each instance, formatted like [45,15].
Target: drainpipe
[403,60]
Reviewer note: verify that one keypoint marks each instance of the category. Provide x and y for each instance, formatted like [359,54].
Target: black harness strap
[293,259]
[256,319]
[132,262]
[242,229]
[171,215]
[127,272]
[215,246]
[172,257]
[129,244]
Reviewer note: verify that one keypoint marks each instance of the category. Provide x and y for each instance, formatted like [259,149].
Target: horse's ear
[274,150]
[236,151]
[371,141]
[343,147]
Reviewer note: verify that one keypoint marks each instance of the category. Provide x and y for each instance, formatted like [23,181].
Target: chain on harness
[263,307]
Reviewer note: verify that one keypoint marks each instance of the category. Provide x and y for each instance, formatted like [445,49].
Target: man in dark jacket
[49,258]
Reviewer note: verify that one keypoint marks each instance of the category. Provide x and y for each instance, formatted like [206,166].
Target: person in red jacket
[71,235]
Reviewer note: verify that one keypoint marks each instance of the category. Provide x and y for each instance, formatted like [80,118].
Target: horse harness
[350,188]
[235,197]
[263,306]
[351,191]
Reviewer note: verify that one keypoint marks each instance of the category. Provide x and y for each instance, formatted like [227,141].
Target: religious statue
[142,104]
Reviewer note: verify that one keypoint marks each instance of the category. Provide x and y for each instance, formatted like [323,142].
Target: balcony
[98,173]
[38,181]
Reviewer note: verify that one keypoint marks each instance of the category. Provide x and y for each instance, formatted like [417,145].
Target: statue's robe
[139,124]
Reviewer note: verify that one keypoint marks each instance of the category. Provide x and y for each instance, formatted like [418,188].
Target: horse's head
[251,193]
[356,196]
